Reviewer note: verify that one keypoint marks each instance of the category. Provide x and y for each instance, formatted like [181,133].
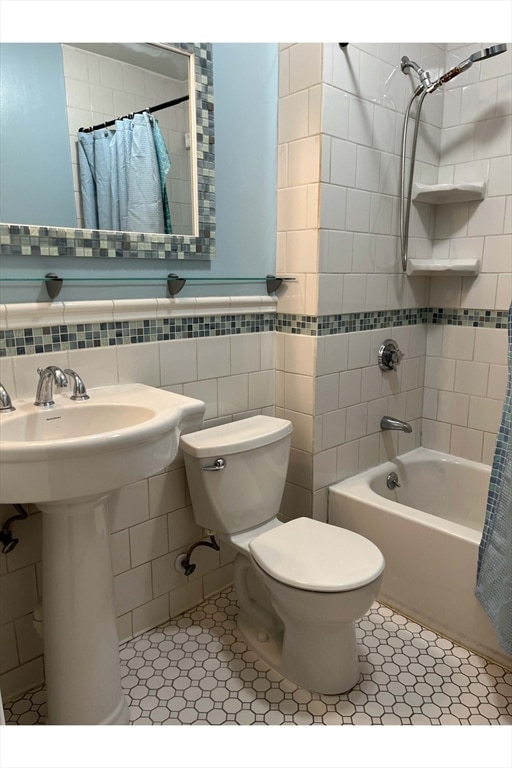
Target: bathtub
[428,530]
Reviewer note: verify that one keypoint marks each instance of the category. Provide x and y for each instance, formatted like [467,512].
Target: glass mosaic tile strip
[56,338]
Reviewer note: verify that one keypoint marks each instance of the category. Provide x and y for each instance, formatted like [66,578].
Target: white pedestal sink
[67,459]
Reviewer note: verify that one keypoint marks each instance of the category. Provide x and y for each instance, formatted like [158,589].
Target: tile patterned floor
[197,670]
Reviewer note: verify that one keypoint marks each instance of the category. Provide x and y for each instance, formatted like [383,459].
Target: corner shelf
[447,267]
[444,194]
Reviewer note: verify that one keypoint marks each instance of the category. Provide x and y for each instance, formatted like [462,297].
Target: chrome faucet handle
[390,356]
[6,405]
[49,376]
[79,390]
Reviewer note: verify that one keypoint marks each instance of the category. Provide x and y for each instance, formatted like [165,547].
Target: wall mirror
[50,92]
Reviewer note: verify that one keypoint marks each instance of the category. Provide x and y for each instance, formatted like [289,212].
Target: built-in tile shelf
[446,267]
[444,194]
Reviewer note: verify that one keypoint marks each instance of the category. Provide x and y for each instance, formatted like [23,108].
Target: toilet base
[318,656]
[304,662]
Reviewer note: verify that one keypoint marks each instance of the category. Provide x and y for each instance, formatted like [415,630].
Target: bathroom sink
[123,433]
[67,459]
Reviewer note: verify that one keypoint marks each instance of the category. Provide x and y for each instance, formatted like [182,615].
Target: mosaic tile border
[31,240]
[326,325]
[59,337]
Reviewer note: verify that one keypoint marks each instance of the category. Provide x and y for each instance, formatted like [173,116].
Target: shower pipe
[427,85]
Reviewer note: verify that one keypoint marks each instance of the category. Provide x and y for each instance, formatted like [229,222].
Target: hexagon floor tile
[196,670]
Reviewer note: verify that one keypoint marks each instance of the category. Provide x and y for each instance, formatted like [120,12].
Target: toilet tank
[248,491]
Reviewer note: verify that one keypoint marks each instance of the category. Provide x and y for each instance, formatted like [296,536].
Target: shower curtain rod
[156,108]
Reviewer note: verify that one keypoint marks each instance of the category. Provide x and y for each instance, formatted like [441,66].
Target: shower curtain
[122,176]
[494,573]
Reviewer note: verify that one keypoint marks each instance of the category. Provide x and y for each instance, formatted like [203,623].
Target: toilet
[301,585]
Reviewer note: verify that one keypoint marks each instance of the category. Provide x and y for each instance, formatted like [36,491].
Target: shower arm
[405,201]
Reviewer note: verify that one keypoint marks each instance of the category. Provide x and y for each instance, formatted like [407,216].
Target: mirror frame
[35,240]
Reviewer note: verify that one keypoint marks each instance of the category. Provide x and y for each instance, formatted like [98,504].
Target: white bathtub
[428,530]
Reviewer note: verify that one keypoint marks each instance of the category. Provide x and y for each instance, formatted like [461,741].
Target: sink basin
[67,459]
[123,433]
[71,423]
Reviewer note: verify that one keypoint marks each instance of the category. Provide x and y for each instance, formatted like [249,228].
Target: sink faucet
[5,400]
[49,376]
[79,391]
[388,422]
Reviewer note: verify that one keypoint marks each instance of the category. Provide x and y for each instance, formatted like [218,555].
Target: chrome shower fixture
[427,85]
[425,77]
[486,53]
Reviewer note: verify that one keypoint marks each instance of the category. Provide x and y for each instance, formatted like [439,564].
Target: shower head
[486,53]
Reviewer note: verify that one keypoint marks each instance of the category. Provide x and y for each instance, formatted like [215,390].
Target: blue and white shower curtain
[122,176]
[494,574]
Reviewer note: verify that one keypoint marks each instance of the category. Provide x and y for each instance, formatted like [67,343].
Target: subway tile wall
[340,130]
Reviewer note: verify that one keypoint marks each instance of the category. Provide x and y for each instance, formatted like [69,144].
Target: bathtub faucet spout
[388,422]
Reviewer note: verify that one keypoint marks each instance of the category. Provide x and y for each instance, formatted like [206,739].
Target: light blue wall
[35,147]
[245,91]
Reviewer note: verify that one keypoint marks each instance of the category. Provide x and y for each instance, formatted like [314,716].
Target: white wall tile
[178,361]
[148,541]
[350,387]
[471,377]
[120,551]
[458,342]
[453,407]
[440,373]
[207,392]
[128,506]
[150,615]
[262,390]
[484,414]
[332,353]
[167,492]
[356,421]
[466,443]
[347,459]
[436,435]
[300,354]
[326,393]
[213,357]
[333,428]
[358,210]
[490,345]
[139,363]
[132,588]
[233,394]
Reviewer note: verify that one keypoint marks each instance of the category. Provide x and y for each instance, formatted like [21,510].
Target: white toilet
[300,585]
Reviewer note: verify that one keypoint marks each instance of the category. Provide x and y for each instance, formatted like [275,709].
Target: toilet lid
[318,557]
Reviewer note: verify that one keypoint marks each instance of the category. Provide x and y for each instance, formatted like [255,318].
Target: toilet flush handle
[216,466]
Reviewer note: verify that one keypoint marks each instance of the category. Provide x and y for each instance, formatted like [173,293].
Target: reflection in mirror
[130,173]
[53,94]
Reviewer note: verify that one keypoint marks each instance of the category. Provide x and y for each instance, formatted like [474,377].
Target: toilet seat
[317,557]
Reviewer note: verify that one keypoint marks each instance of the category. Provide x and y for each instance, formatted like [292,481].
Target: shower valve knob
[390,356]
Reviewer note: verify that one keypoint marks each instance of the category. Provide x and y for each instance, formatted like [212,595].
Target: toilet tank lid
[235,437]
